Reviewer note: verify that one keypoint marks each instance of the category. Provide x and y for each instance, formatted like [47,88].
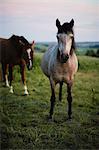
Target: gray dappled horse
[60,63]
[15,51]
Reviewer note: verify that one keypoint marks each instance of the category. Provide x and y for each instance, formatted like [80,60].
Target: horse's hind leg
[5,74]
[11,77]
[69,99]
[60,91]
[52,99]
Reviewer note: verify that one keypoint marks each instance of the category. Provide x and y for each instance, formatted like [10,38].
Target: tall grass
[24,123]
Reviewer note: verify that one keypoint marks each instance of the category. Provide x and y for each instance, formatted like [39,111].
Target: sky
[36,19]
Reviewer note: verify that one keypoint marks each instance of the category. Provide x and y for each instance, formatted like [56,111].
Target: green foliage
[97,53]
[93,53]
[90,53]
[88,64]
[41,47]
[24,123]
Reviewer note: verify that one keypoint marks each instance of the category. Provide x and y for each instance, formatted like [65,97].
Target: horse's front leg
[22,68]
[52,99]
[60,91]
[69,99]
[11,77]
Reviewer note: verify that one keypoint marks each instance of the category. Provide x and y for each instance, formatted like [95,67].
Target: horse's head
[24,48]
[65,37]
[27,52]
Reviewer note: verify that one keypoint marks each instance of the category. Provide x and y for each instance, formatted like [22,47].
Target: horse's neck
[18,50]
[54,51]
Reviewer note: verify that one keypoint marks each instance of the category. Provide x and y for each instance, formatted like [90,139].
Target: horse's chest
[60,73]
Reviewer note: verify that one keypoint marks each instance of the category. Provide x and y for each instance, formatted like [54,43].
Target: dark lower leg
[60,91]
[52,99]
[5,74]
[4,71]
[69,99]
[10,78]
[10,74]
[52,104]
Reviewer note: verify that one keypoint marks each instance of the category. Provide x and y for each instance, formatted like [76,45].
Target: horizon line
[75,41]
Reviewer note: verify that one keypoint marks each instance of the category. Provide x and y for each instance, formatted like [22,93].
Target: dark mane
[65,28]
[73,47]
[24,40]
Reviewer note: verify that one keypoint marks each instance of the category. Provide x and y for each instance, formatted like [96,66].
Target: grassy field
[24,123]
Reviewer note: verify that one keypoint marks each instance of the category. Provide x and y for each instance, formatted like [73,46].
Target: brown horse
[15,51]
[60,63]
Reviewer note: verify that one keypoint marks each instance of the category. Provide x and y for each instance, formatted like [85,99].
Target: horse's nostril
[67,56]
[64,57]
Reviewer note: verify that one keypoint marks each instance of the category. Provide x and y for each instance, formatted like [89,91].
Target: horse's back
[2,48]
[7,51]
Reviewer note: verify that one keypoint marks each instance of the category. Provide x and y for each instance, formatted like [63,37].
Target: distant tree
[97,53]
[43,50]
[91,53]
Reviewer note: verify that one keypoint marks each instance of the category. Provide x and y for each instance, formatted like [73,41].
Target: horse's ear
[32,45]
[58,23]
[71,23]
[33,42]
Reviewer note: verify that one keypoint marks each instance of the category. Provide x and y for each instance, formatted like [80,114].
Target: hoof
[49,118]
[69,119]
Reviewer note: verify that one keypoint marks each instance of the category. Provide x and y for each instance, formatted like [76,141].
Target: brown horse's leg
[60,91]
[69,99]
[52,99]
[11,77]
[22,70]
[5,74]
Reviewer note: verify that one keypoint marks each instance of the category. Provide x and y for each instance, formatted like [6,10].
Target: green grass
[24,123]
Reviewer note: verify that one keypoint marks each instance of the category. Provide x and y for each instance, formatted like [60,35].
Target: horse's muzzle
[29,66]
[64,58]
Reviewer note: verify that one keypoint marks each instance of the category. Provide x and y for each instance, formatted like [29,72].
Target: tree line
[92,53]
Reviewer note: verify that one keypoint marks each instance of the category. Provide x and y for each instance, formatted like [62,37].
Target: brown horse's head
[25,50]
[65,37]
[28,52]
